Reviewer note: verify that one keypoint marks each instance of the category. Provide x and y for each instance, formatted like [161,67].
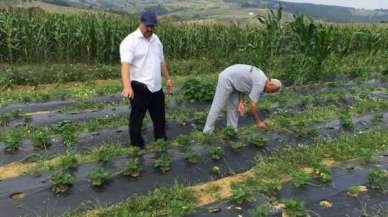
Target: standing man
[142,66]
[233,83]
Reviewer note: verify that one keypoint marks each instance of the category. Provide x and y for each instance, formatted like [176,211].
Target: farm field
[64,126]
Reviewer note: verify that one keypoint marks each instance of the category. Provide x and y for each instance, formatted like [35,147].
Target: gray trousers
[225,94]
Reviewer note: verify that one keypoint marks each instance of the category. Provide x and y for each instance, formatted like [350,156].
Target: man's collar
[139,34]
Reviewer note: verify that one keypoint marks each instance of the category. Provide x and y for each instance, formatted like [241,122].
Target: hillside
[235,10]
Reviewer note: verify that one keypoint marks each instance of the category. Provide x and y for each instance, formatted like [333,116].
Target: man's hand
[261,125]
[241,108]
[128,92]
[170,86]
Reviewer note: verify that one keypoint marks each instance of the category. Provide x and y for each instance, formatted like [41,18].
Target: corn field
[28,36]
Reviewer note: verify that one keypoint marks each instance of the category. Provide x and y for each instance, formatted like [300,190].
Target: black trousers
[146,100]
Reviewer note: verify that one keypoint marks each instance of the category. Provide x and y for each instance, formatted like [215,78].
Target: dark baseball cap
[148,18]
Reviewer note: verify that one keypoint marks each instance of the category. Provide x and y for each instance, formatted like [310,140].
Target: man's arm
[166,76]
[240,107]
[126,80]
[258,120]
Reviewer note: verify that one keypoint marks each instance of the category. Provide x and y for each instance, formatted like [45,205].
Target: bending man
[233,83]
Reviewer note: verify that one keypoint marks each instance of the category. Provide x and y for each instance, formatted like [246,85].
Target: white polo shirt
[144,56]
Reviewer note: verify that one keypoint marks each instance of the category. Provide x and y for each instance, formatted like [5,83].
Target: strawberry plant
[378,178]
[68,161]
[300,178]
[67,130]
[229,133]
[183,140]
[216,170]
[378,117]
[163,162]
[40,138]
[355,190]
[236,146]
[132,167]
[295,208]
[134,152]
[11,142]
[98,176]
[259,212]
[105,154]
[258,141]
[241,194]
[269,187]
[216,152]
[160,145]
[191,156]
[60,181]
[346,120]
[323,172]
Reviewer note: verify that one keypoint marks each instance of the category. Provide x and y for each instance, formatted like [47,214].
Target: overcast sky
[367,4]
